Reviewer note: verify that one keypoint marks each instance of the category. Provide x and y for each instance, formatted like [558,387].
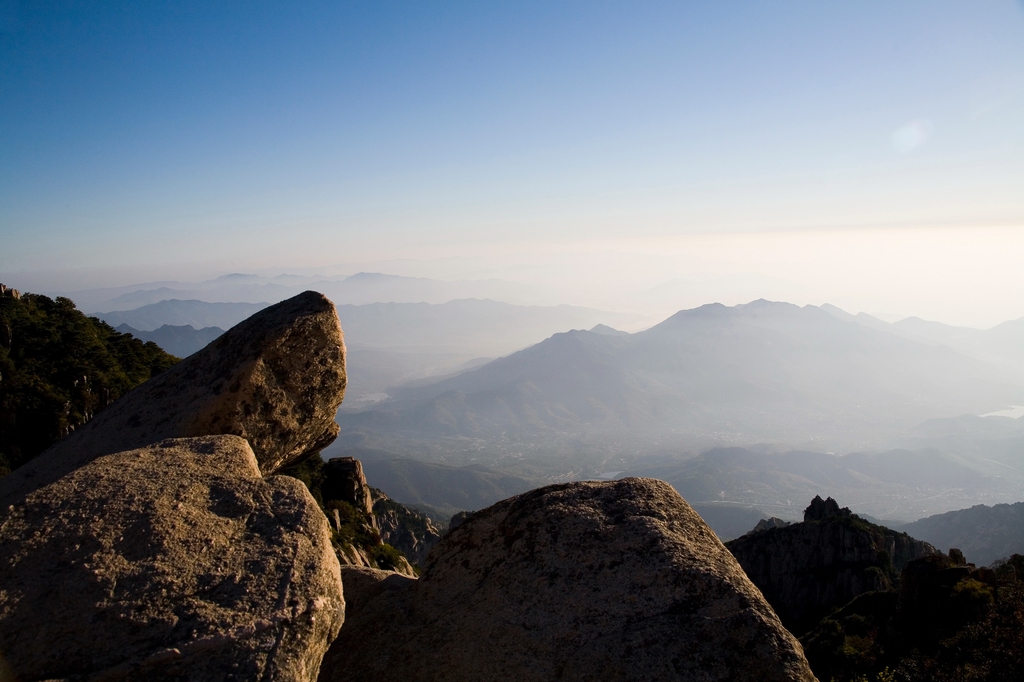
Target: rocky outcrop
[946,613]
[276,379]
[175,561]
[769,523]
[411,532]
[807,569]
[819,509]
[616,580]
[344,480]
[349,504]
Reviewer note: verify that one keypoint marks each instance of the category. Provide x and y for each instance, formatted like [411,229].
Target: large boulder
[176,561]
[275,379]
[609,581]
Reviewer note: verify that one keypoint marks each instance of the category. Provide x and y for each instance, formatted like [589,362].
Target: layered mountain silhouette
[1003,343]
[984,533]
[176,312]
[180,341]
[390,343]
[760,371]
[358,289]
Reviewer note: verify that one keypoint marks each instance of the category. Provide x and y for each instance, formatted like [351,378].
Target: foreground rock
[276,379]
[805,570]
[581,581]
[174,561]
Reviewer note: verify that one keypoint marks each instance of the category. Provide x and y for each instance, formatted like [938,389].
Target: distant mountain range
[984,533]
[1003,343]
[754,372]
[389,343]
[734,488]
[891,485]
[180,341]
[357,289]
[436,486]
[178,313]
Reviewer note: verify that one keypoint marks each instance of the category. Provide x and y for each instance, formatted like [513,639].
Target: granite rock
[275,379]
[617,580]
[175,561]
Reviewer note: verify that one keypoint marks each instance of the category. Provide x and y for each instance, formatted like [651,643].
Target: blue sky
[186,139]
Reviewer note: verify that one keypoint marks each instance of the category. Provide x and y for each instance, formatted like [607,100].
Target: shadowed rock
[581,581]
[805,570]
[276,379]
[344,480]
[177,561]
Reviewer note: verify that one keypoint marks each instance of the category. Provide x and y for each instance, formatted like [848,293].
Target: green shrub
[58,368]
[386,557]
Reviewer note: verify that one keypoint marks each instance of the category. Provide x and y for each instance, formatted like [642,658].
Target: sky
[866,154]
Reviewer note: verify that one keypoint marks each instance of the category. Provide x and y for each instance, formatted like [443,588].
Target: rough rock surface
[807,569]
[276,379]
[174,561]
[582,581]
[363,585]
[411,532]
[344,480]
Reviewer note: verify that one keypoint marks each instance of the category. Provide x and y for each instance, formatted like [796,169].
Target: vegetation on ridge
[58,368]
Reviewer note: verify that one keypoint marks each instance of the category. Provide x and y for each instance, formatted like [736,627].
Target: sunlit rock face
[176,561]
[275,379]
[155,543]
[582,581]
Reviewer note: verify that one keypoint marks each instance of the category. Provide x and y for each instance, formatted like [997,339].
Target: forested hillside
[57,369]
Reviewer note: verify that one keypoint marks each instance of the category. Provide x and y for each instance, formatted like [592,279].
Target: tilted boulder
[176,561]
[275,379]
[617,580]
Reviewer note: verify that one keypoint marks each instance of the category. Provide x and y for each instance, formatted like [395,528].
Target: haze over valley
[748,410]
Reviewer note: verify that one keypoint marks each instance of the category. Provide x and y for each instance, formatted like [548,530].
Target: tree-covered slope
[57,369]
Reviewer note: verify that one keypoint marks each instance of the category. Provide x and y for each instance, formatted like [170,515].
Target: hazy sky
[870,154]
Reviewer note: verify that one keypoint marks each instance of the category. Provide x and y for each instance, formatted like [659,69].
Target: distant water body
[1014,411]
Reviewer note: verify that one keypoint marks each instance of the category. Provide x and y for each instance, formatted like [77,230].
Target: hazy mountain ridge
[393,343]
[178,312]
[486,327]
[180,341]
[763,370]
[1003,343]
[437,486]
[358,289]
[895,484]
[984,533]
